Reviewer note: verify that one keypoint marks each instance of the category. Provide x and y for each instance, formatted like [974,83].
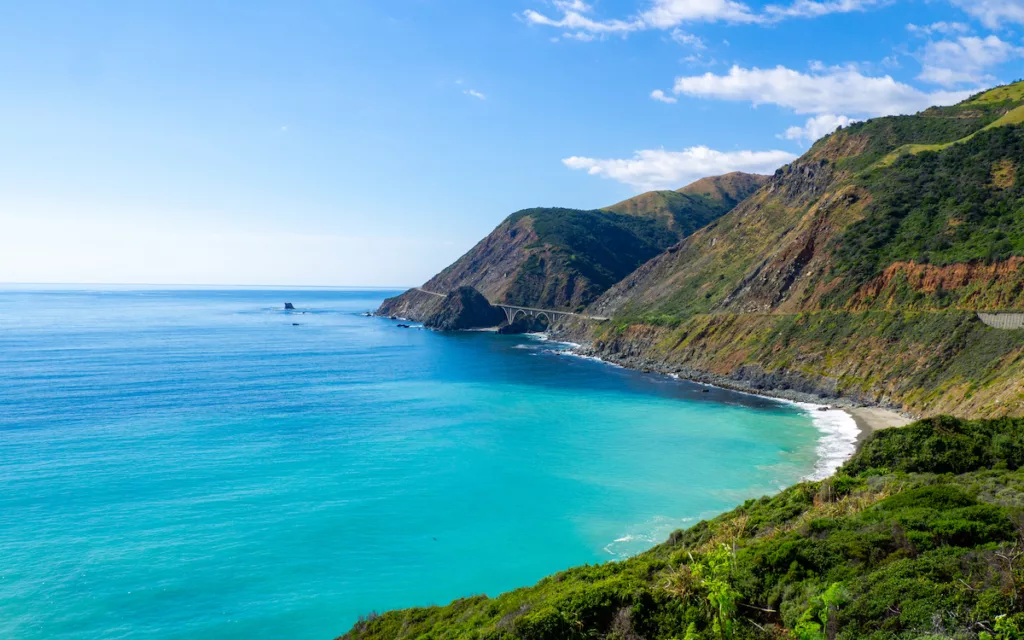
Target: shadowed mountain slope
[564,258]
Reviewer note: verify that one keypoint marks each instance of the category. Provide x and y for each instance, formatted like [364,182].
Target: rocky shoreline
[868,415]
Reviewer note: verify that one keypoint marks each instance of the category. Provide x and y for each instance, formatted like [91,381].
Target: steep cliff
[855,271]
[564,258]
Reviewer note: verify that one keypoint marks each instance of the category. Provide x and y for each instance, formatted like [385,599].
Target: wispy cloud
[942,28]
[661,169]
[993,13]
[670,14]
[811,9]
[660,96]
[574,19]
[965,60]
[687,39]
[817,127]
[474,93]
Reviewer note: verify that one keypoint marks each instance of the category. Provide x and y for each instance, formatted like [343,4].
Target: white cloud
[665,14]
[660,169]
[660,96]
[811,9]
[698,60]
[817,127]
[474,93]
[831,90]
[669,14]
[952,62]
[662,14]
[943,28]
[688,39]
[993,13]
[582,36]
[573,5]
[578,21]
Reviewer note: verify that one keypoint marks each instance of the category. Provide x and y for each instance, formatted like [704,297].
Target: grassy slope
[919,535]
[918,240]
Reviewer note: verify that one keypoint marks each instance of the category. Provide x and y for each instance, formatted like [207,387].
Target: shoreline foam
[838,442]
[843,428]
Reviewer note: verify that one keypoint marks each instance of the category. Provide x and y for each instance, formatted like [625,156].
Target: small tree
[712,575]
[819,621]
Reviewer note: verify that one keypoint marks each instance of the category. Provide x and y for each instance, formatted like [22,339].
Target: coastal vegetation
[920,535]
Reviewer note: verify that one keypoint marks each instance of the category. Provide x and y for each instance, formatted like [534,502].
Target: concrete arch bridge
[513,311]
[551,315]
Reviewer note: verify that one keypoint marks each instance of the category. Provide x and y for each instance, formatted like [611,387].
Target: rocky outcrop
[995,285]
[414,304]
[464,308]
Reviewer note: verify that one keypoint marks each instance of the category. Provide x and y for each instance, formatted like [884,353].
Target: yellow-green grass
[1013,92]
[1012,117]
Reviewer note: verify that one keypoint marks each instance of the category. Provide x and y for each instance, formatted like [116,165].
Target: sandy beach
[871,419]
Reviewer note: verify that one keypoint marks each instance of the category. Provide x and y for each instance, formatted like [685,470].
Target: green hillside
[918,536]
[565,258]
[918,220]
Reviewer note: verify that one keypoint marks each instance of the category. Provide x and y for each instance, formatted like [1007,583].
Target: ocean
[200,463]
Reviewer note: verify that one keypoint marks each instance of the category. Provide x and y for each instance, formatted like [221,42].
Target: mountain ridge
[564,258]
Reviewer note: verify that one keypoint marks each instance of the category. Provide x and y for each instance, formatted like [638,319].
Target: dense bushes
[935,126]
[958,205]
[894,546]
[944,445]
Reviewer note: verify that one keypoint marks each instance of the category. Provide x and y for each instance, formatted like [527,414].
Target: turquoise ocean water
[192,464]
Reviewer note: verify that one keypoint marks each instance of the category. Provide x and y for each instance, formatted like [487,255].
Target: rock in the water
[464,308]
[288,306]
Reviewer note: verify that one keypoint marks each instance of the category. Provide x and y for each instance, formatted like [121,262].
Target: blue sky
[371,142]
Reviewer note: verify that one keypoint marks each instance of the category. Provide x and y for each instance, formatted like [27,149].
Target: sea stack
[289,306]
[465,308]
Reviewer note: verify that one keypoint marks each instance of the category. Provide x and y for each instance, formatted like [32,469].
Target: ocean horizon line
[184,286]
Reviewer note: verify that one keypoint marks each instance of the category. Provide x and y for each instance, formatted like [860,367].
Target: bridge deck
[513,308]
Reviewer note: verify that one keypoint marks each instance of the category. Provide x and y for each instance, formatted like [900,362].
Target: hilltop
[565,258]
[883,239]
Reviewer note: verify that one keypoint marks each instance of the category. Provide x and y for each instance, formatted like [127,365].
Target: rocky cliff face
[855,270]
[565,258]
[414,304]
[464,308]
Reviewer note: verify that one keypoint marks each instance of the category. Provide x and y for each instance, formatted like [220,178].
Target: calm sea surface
[194,464]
